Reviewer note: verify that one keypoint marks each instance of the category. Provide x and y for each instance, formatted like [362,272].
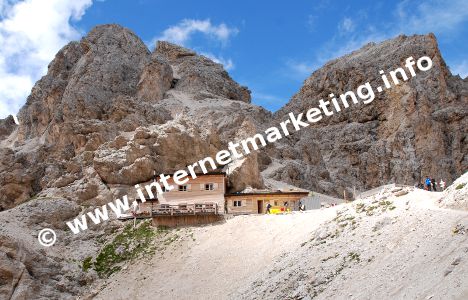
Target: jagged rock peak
[348,71]
[172,51]
[111,62]
[7,126]
[106,84]
[199,75]
[114,35]
[413,130]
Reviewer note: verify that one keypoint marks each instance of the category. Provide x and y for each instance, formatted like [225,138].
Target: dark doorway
[260,206]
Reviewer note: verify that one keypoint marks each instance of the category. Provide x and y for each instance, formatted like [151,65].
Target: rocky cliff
[415,129]
[109,112]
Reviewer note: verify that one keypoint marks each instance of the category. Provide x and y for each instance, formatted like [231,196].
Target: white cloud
[351,43]
[334,48]
[445,18]
[300,69]
[227,63]
[432,16]
[266,100]
[312,22]
[31,33]
[346,26]
[460,69]
[271,99]
[182,32]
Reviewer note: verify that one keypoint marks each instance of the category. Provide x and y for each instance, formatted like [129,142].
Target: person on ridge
[301,206]
[434,183]
[442,184]
[428,184]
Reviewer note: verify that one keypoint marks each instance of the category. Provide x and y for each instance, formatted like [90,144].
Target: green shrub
[127,245]
[460,186]
[87,263]
[360,207]
[354,256]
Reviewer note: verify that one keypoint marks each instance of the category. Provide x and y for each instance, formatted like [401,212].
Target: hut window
[182,188]
[237,203]
[209,187]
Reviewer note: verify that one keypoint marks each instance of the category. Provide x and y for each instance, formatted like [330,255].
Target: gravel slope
[396,245]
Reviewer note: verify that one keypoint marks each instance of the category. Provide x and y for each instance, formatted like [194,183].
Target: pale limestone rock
[106,86]
[196,73]
[109,113]
[155,80]
[7,126]
[411,131]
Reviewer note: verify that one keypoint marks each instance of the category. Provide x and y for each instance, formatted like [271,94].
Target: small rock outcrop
[155,79]
[7,126]
[456,195]
[31,271]
[195,73]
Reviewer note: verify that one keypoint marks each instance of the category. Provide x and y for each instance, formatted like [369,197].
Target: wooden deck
[185,209]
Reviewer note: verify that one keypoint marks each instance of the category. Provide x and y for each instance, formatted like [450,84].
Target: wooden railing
[185,209]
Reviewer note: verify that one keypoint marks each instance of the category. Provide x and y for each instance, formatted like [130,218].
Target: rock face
[413,130]
[156,79]
[105,114]
[105,117]
[7,126]
[30,271]
[456,195]
[195,73]
[109,113]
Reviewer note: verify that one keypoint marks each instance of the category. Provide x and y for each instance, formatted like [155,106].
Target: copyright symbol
[47,237]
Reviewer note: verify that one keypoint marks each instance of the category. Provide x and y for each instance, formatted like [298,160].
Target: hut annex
[205,200]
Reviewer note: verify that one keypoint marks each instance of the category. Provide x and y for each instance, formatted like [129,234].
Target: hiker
[286,204]
[433,181]
[301,206]
[268,206]
[428,184]
[442,184]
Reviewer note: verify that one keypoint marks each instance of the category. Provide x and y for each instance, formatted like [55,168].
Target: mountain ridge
[109,113]
[100,90]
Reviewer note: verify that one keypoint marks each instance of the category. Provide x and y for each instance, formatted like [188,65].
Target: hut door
[260,206]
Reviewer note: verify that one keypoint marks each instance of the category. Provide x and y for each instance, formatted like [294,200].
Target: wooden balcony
[185,209]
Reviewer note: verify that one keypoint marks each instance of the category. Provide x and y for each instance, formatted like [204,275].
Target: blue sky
[271,47]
